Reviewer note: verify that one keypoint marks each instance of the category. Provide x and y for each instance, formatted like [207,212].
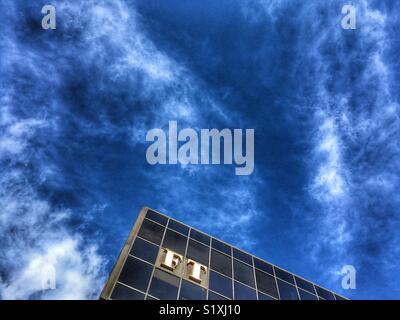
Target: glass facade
[166,259]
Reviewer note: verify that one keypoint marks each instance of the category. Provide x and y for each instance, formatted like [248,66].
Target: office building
[166,259]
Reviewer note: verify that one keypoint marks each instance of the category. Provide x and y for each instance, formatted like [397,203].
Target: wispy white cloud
[356,131]
[35,233]
[74,270]
[174,93]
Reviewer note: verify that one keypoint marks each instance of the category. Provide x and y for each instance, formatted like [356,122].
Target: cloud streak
[356,136]
[63,87]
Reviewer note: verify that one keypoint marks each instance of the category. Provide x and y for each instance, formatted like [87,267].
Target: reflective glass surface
[136,273]
[264,266]
[122,292]
[229,271]
[198,252]
[304,295]
[262,296]
[190,291]
[266,283]
[152,215]
[151,231]
[221,263]
[243,273]
[179,227]
[144,250]
[220,284]
[305,285]
[199,236]
[243,292]
[282,274]
[221,246]
[175,242]
[287,291]
[242,256]
[215,296]
[325,294]
[164,286]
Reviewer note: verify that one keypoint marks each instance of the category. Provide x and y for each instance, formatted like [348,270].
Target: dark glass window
[264,266]
[243,292]
[198,252]
[243,273]
[303,284]
[201,237]
[150,298]
[282,274]
[325,294]
[175,242]
[190,291]
[150,214]
[304,295]
[220,284]
[144,250]
[214,296]
[262,296]
[151,231]
[179,227]
[221,263]
[136,273]
[221,246]
[287,291]
[266,283]
[121,292]
[164,286]
[240,255]
[339,297]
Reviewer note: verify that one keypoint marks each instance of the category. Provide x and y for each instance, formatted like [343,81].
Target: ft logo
[49,20]
[190,269]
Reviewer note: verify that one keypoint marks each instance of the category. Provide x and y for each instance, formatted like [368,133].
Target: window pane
[244,293]
[221,263]
[179,227]
[164,286]
[190,291]
[303,284]
[221,246]
[282,274]
[266,283]
[144,250]
[243,273]
[287,291]
[150,214]
[325,294]
[214,296]
[198,252]
[242,256]
[264,266]
[203,238]
[262,296]
[121,292]
[221,284]
[339,297]
[175,242]
[151,231]
[136,273]
[304,295]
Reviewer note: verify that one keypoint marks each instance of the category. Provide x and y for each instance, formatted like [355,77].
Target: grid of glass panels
[232,273]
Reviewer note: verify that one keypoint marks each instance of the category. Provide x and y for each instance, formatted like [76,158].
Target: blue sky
[76,103]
